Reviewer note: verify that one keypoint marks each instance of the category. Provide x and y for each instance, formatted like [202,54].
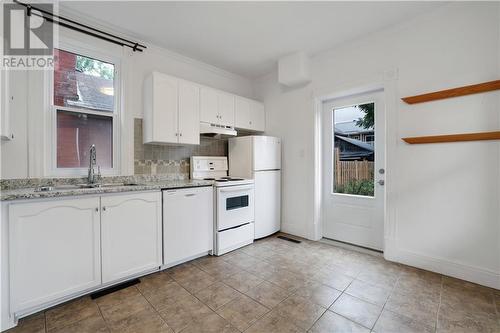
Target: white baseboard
[440,265]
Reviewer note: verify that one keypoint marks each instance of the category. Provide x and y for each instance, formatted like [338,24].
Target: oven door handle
[236,189]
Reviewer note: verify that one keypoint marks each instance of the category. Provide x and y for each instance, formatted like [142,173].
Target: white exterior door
[189,113]
[131,234]
[353,162]
[54,250]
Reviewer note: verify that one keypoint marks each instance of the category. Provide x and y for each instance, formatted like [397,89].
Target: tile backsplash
[166,159]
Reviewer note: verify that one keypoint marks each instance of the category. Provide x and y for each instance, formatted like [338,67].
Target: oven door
[235,206]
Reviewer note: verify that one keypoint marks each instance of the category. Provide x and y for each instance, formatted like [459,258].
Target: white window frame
[87,51]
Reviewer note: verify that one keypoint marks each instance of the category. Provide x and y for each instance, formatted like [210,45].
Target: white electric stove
[234,203]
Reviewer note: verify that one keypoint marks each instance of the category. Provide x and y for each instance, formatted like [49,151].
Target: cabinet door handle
[190,195]
[97,209]
[104,208]
[180,134]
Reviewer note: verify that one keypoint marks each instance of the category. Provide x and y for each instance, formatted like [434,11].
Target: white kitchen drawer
[232,239]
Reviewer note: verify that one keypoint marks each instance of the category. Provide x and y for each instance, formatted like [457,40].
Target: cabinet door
[187,224]
[226,109]
[209,105]
[189,113]
[165,108]
[242,113]
[54,250]
[131,234]
[257,116]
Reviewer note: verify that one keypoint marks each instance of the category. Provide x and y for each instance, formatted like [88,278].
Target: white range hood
[216,131]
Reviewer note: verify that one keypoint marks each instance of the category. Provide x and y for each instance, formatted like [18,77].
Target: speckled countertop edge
[30,193]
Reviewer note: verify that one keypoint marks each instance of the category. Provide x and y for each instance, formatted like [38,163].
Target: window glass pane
[83,82]
[354,149]
[76,132]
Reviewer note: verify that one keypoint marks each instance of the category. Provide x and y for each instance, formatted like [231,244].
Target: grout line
[45,320]
[102,316]
[152,306]
[439,306]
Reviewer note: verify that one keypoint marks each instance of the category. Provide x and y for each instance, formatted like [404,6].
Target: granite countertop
[64,190]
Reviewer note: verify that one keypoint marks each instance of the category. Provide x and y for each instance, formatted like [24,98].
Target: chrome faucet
[93,178]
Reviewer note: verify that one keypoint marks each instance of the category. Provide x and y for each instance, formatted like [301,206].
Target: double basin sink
[81,186]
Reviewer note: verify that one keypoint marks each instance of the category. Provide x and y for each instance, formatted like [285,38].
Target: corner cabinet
[171,110]
[131,234]
[250,115]
[188,224]
[54,250]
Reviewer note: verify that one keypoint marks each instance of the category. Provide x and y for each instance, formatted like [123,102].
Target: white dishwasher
[188,224]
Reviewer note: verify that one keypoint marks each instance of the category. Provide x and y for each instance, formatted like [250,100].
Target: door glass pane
[83,82]
[354,149]
[76,132]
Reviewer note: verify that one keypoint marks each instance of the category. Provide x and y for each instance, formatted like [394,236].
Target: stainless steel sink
[81,186]
[106,185]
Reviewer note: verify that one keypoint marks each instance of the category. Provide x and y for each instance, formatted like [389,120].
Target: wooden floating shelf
[454,138]
[455,92]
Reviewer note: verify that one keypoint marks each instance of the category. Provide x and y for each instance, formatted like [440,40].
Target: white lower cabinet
[60,248]
[187,224]
[131,234]
[54,250]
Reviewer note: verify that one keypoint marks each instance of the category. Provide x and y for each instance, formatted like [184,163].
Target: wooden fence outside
[346,171]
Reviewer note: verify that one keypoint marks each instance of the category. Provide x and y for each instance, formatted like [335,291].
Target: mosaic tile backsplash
[164,159]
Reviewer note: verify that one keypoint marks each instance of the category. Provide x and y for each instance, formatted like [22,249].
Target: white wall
[25,156]
[443,199]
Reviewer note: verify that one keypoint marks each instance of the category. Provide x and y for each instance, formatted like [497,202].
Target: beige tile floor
[278,286]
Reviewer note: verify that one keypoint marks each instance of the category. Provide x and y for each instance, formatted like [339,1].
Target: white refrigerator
[259,158]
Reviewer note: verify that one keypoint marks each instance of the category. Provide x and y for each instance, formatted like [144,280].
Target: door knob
[381,171]
[381,182]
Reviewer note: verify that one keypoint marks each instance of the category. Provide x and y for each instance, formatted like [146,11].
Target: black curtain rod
[98,33]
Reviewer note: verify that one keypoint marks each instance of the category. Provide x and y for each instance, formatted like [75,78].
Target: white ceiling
[246,38]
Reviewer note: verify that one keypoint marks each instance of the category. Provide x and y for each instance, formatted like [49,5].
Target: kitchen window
[85,105]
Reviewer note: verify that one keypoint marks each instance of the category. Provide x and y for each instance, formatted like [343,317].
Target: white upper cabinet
[217,107]
[249,114]
[54,250]
[189,113]
[131,234]
[171,110]
[257,116]
[226,109]
[209,108]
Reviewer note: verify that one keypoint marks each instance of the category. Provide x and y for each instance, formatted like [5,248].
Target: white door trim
[387,83]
